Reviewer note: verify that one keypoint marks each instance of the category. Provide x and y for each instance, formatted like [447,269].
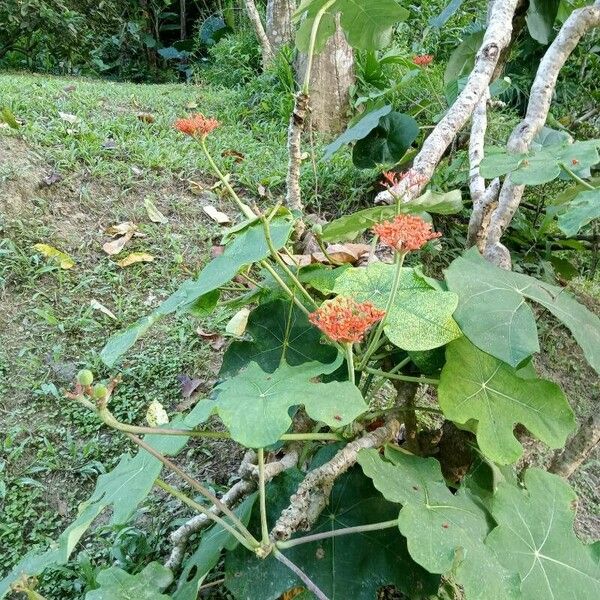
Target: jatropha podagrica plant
[344,389]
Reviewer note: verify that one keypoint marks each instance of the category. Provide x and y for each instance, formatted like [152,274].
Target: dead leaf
[153,213]
[135,257]
[191,105]
[237,324]
[342,253]
[63,259]
[97,306]
[196,187]
[114,247]
[121,228]
[68,117]
[262,190]
[291,594]
[53,177]
[238,156]
[156,415]
[137,171]
[146,117]
[297,260]
[215,340]
[216,215]
[188,385]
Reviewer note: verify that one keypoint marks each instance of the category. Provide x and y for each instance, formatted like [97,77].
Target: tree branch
[265,44]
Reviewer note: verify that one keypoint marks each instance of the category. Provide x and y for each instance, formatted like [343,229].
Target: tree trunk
[331,78]
[280,29]
[265,44]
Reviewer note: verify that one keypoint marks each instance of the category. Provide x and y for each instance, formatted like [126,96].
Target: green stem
[282,264]
[401,377]
[197,486]
[374,344]
[312,43]
[262,497]
[350,361]
[307,539]
[208,513]
[246,210]
[284,287]
[576,177]
[311,437]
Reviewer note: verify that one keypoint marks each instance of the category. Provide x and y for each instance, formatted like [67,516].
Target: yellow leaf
[8,117]
[237,324]
[63,259]
[122,228]
[135,257]
[97,306]
[156,414]
[153,213]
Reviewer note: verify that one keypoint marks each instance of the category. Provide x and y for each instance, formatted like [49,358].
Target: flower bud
[100,391]
[85,377]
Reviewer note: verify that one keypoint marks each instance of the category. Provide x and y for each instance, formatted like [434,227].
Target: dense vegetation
[367,324]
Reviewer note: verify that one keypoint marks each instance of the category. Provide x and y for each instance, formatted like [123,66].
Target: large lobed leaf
[540,18]
[255,404]
[248,247]
[349,567]
[535,538]
[123,489]
[493,314]
[421,317]
[475,385]
[445,531]
[581,211]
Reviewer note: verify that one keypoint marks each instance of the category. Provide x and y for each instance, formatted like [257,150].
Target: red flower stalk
[196,125]
[391,179]
[345,320]
[423,60]
[405,233]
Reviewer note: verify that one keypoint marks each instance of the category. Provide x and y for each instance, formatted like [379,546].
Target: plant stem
[310,585]
[374,344]
[311,437]
[312,43]
[262,497]
[197,486]
[350,361]
[401,377]
[336,532]
[284,287]
[201,509]
[246,210]
[576,177]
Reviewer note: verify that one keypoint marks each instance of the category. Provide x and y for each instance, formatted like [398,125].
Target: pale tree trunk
[280,29]
[332,76]
[265,44]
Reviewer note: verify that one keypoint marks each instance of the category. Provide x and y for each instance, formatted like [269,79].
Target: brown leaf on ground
[121,228]
[216,215]
[146,117]
[297,260]
[238,156]
[135,257]
[51,178]
[116,246]
[188,385]
[343,253]
[215,340]
[153,213]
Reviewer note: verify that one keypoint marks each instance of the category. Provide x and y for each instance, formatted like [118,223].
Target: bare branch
[296,127]
[497,38]
[312,494]
[265,44]
[575,27]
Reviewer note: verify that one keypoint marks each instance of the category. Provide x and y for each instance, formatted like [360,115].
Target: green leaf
[348,227]
[255,405]
[445,531]
[536,169]
[421,317]
[475,385]
[358,130]
[116,584]
[493,314]
[208,553]
[462,59]
[366,27]
[7,116]
[451,9]
[123,489]
[540,19]
[321,278]
[498,162]
[278,330]
[248,247]
[352,567]
[386,143]
[581,211]
[535,538]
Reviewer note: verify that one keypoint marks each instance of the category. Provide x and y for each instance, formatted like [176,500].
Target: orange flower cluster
[345,320]
[423,60]
[196,125]
[405,233]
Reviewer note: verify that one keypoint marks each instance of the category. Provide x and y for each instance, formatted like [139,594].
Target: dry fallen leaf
[215,340]
[114,247]
[97,306]
[237,324]
[297,260]
[156,415]
[343,253]
[216,215]
[68,117]
[191,105]
[135,257]
[63,259]
[188,385]
[153,213]
[51,178]
[137,171]
[238,156]
[121,228]
[146,117]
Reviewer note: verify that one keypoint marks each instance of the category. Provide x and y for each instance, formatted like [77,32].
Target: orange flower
[196,125]
[345,320]
[423,60]
[405,233]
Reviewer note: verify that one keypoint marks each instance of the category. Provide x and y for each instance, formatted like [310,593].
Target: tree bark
[280,29]
[265,44]
[332,76]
